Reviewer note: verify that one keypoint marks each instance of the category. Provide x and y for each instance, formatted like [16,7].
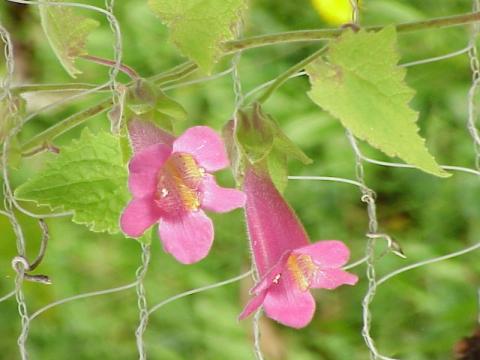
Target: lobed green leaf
[198,27]
[362,85]
[66,32]
[87,177]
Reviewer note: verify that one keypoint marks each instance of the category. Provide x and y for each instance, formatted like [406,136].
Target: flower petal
[252,305]
[189,237]
[150,159]
[138,216]
[333,278]
[328,254]
[219,199]
[273,276]
[142,184]
[288,305]
[205,145]
[144,134]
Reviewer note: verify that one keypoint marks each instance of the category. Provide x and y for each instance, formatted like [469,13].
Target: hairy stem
[282,78]
[110,63]
[28,88]
[327,34]
[40,140]
[177,73]
[229,47]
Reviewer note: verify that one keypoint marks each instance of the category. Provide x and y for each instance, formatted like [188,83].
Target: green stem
[327,34]
[238,45]
[177,73]
[42,139]
[55,87]
[39,142]
[123,68]
[230,47]
[282,78]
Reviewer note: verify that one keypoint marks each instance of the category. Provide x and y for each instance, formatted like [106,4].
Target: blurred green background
[418,315]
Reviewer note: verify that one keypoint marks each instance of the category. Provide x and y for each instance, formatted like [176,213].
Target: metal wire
[368,196]
[475,68]
[142,302]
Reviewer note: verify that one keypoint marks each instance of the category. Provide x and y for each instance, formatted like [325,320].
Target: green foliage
[198,27]
[434,306]
[88,178]
[66,32]
[361,84]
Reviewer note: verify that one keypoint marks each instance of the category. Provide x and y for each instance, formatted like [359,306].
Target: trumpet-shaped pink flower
[287,263]
[172,185]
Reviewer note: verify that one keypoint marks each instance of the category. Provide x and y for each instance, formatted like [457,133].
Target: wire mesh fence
[28,317]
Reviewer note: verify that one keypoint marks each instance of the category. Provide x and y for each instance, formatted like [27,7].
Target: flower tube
[287,263]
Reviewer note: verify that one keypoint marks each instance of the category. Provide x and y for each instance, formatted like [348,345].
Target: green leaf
[66,32]
[88,178]
[198,27]
[361,85]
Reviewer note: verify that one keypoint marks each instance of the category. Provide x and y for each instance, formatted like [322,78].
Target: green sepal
[287,147]
[255,134]
[148,103]
[169,107]
[125,147]
[278,169]
[237,161]
[142,97]
[259,140]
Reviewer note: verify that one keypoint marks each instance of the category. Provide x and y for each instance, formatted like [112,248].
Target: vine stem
[110,63]
[280,80]
[327,34]
[229,47]
[43,139]
[233,46]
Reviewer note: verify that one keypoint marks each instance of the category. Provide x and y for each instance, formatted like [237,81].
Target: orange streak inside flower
[302,269]
[178,184]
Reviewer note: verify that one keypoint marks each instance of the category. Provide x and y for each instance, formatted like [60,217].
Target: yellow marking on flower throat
[303,270]
[185,177]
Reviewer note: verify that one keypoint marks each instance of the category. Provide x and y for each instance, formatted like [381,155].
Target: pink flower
[287,263]
[172,185]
